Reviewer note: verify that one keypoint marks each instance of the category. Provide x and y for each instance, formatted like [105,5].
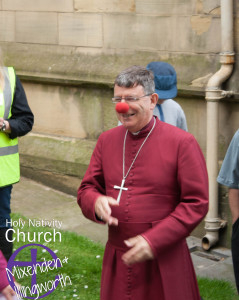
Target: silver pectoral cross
[120,188]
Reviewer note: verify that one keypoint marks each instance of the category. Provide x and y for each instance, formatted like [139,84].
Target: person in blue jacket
[229,176]
[167,109]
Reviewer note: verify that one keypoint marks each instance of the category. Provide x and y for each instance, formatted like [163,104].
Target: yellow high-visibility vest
[9,156]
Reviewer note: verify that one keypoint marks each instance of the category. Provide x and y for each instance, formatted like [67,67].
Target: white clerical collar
[135,133]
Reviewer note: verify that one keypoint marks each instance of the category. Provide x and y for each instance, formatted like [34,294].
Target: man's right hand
[8,292]
[103,210]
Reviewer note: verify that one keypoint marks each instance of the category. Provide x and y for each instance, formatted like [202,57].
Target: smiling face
[140,112]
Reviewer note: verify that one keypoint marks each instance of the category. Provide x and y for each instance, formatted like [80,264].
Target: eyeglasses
[128,98]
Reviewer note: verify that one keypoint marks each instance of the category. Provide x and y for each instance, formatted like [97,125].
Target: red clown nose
[122,107]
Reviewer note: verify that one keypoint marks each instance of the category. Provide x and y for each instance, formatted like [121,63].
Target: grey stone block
[7,26]
[36,27]
[43,5]
[80,30]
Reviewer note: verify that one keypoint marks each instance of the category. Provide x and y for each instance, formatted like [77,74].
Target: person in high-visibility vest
[16,119]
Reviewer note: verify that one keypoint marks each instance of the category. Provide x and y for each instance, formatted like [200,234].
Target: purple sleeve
[3,274]
[92,185]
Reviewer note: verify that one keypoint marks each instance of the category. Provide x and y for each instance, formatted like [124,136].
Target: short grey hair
[134,76]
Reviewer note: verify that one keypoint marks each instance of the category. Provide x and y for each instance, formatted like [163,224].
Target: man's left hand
[139,252]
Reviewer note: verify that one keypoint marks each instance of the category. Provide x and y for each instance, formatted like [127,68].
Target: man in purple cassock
[148,181]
